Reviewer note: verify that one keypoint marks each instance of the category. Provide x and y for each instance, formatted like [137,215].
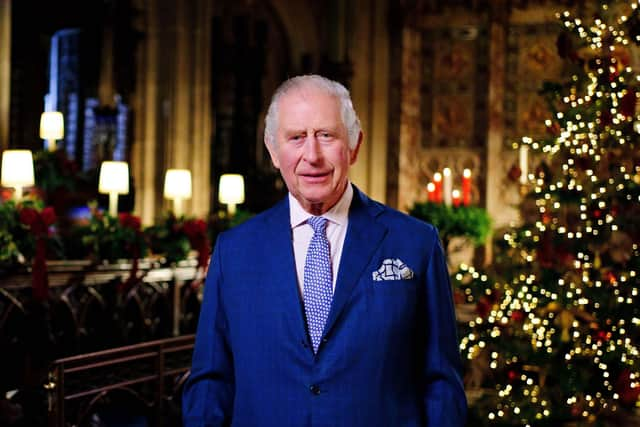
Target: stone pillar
[410,116]
[173,102]
[370,90]
[146,102]
[5,71]
[199,157]
[494,158]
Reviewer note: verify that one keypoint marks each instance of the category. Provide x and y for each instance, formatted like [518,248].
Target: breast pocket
[393,304]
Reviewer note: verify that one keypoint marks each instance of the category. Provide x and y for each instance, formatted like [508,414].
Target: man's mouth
[314,176]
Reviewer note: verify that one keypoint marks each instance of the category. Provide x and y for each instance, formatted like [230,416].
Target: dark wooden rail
[149,375]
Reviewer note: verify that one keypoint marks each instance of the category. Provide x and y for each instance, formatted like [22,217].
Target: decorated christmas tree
[554,336]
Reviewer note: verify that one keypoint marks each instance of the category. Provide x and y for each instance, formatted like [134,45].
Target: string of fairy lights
[568,314]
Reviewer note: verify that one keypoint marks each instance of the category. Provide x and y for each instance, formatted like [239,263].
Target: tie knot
[318,223]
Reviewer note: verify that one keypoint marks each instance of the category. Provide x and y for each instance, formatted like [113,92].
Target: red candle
[431,192]
[466,187]
[455,198]
[437,192]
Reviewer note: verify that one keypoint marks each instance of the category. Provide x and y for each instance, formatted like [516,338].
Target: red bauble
[483,307]
[513,375]
[602,336]
[517,316]
[628,394]
[628,103]
[514,173]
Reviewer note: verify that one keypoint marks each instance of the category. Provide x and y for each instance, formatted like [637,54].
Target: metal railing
[150,372]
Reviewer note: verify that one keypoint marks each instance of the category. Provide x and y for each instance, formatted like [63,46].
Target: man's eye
[324,135]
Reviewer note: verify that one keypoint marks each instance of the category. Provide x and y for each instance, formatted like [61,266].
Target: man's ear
[353,153]
[272,149]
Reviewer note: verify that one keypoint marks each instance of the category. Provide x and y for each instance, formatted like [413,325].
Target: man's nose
[312,152]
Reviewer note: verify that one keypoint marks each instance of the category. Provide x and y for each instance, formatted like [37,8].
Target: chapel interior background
[163,84]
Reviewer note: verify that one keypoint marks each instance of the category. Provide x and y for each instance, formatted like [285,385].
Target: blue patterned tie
[318,289]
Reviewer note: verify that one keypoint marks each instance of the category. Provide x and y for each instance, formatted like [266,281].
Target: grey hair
[349,117]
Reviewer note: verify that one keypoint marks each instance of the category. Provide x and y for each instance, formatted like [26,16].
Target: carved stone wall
[469,88]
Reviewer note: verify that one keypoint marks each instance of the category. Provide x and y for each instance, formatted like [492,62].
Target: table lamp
[51,128]
[17,170]
[231,191]
[113,180]
[177,186]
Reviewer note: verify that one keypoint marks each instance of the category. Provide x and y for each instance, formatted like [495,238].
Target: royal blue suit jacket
[389,356]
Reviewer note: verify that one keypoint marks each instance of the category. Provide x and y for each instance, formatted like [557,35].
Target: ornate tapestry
[531,59]
[455,76]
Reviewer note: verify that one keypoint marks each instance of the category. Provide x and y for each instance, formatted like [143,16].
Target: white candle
[524,164]
[447,186]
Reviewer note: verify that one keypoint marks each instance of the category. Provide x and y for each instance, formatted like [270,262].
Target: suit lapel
[364,235]
[280,262]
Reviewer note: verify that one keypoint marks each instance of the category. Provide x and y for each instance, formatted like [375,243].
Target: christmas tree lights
[555,337]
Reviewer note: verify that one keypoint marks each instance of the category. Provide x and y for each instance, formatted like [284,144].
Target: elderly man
[329,309]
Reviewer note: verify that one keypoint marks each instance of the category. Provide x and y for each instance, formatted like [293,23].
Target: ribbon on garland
[133,248]
[38,223]
[196,231]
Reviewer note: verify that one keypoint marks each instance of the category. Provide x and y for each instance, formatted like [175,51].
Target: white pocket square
[392,269]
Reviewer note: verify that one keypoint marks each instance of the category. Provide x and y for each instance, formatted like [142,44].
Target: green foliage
[19,223]
[12,234]
[54,170]
[471,222]
[112,238]
[168,239]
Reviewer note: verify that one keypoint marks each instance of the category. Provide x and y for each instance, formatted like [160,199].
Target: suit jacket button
[314,389]
[325,340]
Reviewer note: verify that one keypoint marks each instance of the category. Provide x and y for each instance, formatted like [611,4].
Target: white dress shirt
[301,232]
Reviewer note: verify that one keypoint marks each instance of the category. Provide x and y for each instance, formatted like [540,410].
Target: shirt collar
[338,214]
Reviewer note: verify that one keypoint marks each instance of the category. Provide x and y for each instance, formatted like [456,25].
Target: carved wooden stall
[101,339]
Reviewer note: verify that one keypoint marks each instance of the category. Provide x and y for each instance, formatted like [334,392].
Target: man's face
[311,148]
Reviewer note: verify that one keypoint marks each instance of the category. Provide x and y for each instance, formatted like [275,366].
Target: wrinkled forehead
[309,107]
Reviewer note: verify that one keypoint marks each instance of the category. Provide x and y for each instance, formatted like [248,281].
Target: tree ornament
[514,173]
[620,247]
[564,320]
[627,387]
[553,306]
[517,316]
[483,307]
[602,336]
[513,375]
[628,103]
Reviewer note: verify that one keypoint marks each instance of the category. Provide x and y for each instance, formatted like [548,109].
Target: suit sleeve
[444,398]
[209,391]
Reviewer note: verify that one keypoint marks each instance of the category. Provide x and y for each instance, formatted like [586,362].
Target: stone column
[495,137]
[370,93]
[173,103]
[410,116]
[146,103]
[5,71]
[199,157]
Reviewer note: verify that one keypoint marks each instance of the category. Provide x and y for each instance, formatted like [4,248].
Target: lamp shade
[114,177]
[17,168]
[231,189]
[177,184]
[51,125]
